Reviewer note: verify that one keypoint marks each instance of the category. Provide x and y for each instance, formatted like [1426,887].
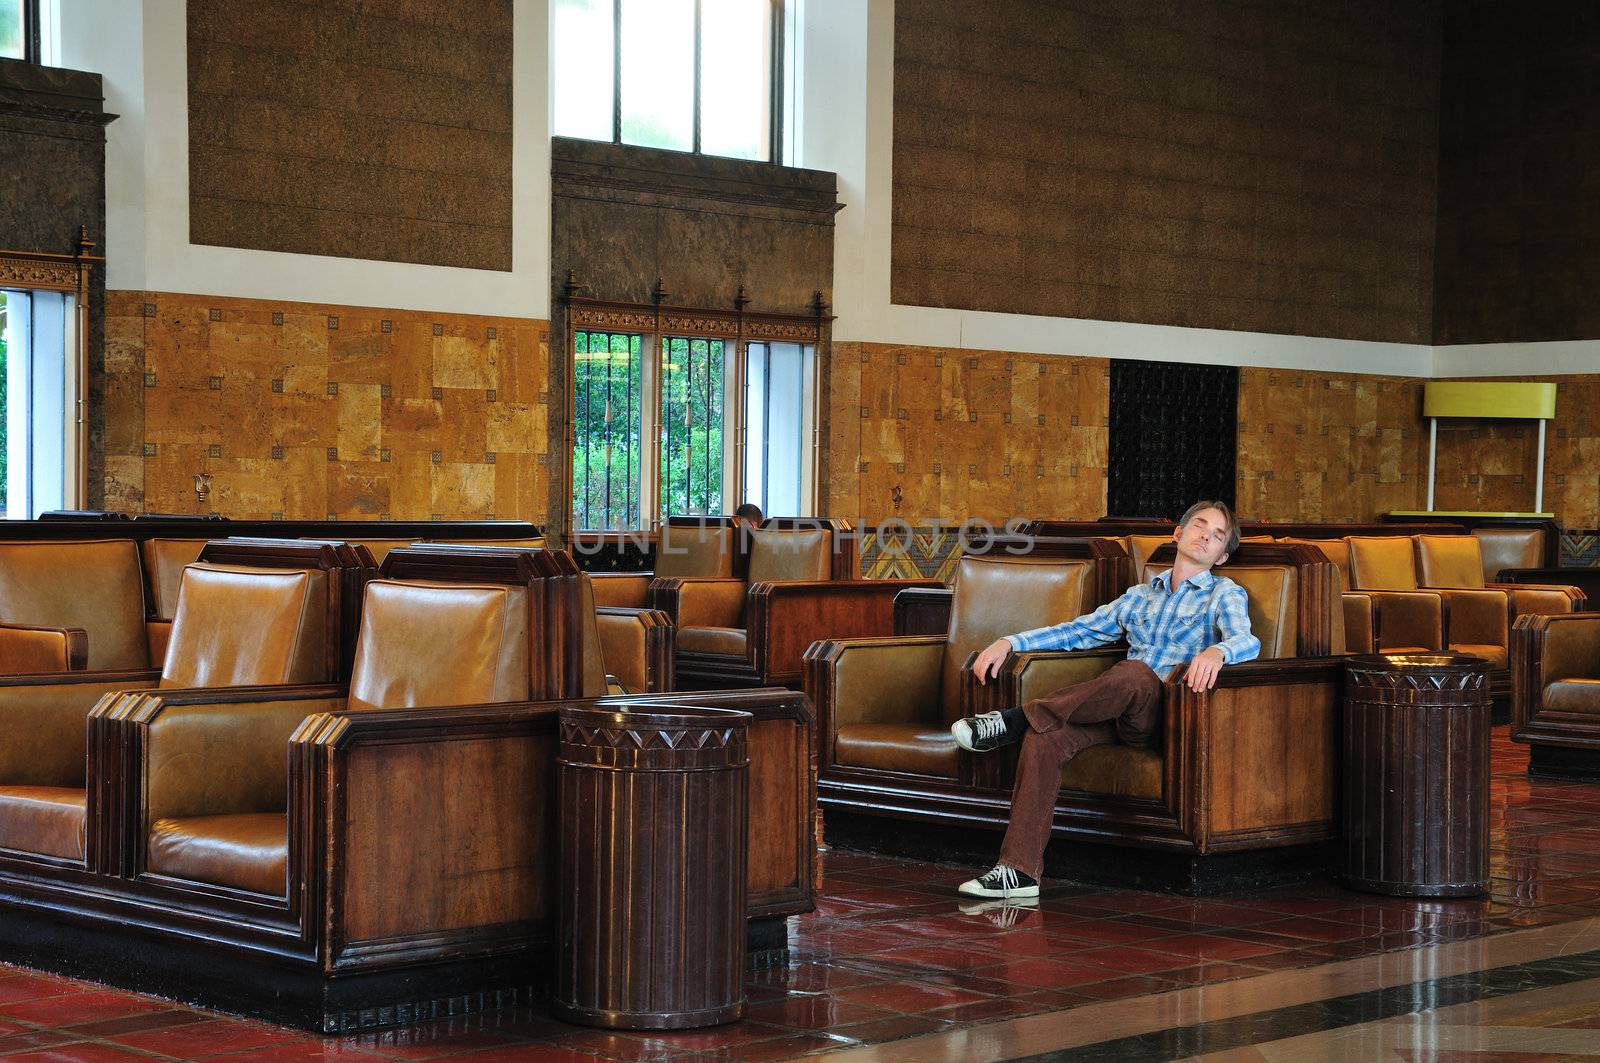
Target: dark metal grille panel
[1174,437]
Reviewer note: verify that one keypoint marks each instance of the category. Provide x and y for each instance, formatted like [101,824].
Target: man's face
[1204,539]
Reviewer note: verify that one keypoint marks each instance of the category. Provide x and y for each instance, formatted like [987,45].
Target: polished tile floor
[892,966]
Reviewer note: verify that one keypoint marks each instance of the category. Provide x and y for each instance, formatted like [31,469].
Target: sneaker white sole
[973,888]
[963,735]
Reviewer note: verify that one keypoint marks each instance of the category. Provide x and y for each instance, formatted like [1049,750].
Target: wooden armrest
[784,619]
[923,610]
[691,601]
[27,649]
[1549,598]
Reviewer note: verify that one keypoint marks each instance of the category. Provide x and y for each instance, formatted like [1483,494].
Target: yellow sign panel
[1488,398]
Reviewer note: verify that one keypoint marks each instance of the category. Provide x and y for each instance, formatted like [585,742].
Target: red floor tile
[812,1013]
[199,1040]
[910,998]
[86,1052]
[75,1008]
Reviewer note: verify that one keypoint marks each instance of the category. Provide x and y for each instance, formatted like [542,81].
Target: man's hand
[1202,672]
[989,661]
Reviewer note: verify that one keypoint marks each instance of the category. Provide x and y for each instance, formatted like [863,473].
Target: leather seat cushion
[912,747]
[1115,771]
[48,820]
[248,851]
[729,641]
[1573,695]
[1495,655]
[1406,649]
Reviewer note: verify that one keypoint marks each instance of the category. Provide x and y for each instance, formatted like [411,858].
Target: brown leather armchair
[1555,693]
[885,705]
[236,626]
[1409,619]
[688,547]
[1248,765]
[754,631]
[72,603]
[1457,561]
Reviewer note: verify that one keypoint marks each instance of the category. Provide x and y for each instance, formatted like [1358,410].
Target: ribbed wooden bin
[1416,763]
[652,884]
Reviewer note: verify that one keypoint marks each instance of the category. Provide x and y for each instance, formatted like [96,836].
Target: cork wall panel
[1328,446]
[1211,164]
[1519,149]
[1489,465]
[944,434]
[359,130]
[304,411]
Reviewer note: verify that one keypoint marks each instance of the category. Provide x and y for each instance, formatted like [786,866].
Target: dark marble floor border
[1335,1013]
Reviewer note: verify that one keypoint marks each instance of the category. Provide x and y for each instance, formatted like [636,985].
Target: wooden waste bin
[1416,774]
[651,907]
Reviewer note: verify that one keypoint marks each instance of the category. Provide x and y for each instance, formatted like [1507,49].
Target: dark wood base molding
[1119,866]
[1558,762]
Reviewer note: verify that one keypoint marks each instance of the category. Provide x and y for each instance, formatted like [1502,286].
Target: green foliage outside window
[605,464]
[691,415]
[11,42]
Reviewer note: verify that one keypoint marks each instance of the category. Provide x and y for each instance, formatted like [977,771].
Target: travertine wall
[1329,446]
[964,433]
[1264,167]
[305,411]
[377,130]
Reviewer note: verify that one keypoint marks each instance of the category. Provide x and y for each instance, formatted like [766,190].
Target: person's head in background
[749,511]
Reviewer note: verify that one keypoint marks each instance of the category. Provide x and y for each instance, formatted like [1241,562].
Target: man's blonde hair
[1227,514]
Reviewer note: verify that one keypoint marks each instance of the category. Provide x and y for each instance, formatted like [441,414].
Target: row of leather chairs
[240,815]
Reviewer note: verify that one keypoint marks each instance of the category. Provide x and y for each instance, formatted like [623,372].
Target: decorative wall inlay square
[938,415]
[277,453]
[1008,418]
[438,329]
[214,450]
[865,412]
[492,333]
[214,383]
[149,309]
[333,453]
[333,387]
[865,357]
[214,314]
[333,322]
[277,514]
[383,455]
[436,516]
[1038,470]
[149,380]
[488,458]
[900,358]
[902,415]
[277,386]
[385,326]
[149,450]
[385,391]
[972,470]
[1041,418]
[1072,470]
[972,415]
[277,317]
[972,363]
[899,466]
[544,398]
[937,469]
[436,457]
[1074,420]
[1005,470]
[491,395]
[438,394]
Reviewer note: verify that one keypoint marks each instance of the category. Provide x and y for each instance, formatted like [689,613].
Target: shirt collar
[1201,580]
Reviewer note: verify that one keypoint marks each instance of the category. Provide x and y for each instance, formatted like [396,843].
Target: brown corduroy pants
[1122,703]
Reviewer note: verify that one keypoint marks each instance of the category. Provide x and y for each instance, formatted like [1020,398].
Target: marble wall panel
[312,412]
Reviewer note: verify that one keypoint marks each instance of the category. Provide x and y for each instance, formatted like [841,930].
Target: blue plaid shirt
[1164,628]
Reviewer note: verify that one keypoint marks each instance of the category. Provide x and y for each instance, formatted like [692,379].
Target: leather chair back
[696,550]
[594,665]
[1509,548]
[238,626]
[1382,563]
[427,643]
[95,585]
[164,562]
[1140,547]
[999,594]
[1273,591]
[1448,561]
[782,555]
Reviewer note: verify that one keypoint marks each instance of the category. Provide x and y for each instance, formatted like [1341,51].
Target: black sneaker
[1001,881]
[986,732]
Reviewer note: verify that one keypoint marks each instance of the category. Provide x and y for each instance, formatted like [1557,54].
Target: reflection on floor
[1310,973]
